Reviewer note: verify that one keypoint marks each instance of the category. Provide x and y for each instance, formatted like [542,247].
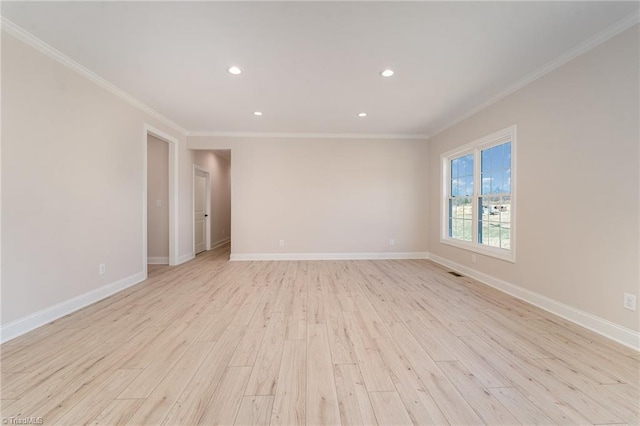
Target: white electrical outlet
[630,301]
[158,203]
[281,243]
[102,268]
[473,258]
[392,242]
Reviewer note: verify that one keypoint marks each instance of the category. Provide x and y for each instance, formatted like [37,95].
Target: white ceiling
[310,67]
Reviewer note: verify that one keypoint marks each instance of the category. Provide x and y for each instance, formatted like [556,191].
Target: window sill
[506,255]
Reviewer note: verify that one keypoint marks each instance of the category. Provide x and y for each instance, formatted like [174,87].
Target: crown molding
[604,35]
[306,135]
[33,41]
[592,42]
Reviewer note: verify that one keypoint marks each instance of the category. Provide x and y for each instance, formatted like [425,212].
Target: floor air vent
[455,274]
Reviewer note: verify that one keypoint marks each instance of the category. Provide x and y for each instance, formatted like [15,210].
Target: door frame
[148,130]
[207,203]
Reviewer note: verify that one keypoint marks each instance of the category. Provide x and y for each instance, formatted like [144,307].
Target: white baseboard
[594,323]
[328,256]
[185,258]
[158,260]
[23,325]
[220,243]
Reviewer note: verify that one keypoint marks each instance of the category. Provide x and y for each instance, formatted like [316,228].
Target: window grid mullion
[497,194]
[477,185]
[468,207]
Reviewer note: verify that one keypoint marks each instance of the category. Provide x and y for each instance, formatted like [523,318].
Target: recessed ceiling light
[387,73]
[362,114]
[235,70]
[258,113]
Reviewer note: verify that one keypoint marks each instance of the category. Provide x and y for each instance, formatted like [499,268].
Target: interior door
[199,211]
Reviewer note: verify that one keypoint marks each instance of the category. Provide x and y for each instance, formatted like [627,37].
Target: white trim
[328,256]
[599,38]
[220,243]
[173,192]
[592,322]
[591,43]
[23,325]
[207,208]
[185,258]
[200,168]
[494,252]
[483,142]
[60,57]
[475,148]
[308,135]
[158,260]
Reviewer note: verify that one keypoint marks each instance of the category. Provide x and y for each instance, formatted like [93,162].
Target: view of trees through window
[460,206]
[494,227]
[494,199]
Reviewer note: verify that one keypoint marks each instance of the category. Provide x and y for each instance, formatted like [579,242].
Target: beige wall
[220,208]
[578,182]
[72,184]
[328,195]
[157,190]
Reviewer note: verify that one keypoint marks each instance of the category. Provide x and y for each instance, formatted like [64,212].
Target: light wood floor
[285,343]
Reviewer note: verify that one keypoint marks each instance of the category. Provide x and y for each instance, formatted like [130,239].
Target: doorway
[211,200]
[159,199]
[201,205]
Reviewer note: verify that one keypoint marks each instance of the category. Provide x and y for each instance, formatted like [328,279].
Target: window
[478,197]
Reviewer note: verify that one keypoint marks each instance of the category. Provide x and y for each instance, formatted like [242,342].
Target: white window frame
[476,147]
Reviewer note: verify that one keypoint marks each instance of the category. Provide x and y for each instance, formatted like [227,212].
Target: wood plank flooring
[316,342]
